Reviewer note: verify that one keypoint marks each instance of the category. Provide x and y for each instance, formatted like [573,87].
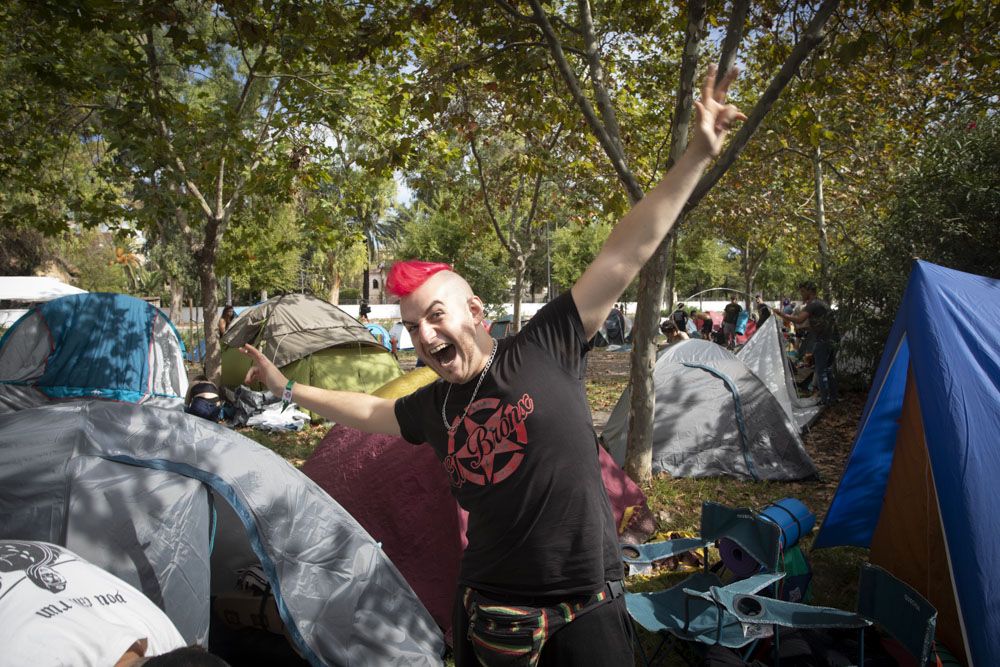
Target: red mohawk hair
[405,277]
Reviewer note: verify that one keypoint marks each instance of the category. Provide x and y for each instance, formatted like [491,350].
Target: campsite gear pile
[92,345]
[742,613]
[312,342]
[177,506]
[717,413]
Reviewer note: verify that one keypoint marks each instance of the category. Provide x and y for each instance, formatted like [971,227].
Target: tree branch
[685,91]
[734,36]
[486,196]
[810,40]
[597,77]
[164,131]
[626,176]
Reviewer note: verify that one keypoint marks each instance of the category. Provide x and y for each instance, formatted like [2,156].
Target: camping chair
[752,536]
[734,616]
[898,609]
[663,612]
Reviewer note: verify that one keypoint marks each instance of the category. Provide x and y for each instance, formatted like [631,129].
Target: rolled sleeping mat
[794,520]
[736,560]
[792,517]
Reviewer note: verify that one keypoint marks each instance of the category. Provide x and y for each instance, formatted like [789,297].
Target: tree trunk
[263,295]
[176,300]
[639,455]
[335,282]
[820,217]
[210,305]
[671,289]
[520,267]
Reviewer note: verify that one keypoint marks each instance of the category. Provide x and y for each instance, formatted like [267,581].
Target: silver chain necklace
[482,376]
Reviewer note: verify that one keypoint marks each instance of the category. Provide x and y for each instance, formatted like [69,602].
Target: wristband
[286,395]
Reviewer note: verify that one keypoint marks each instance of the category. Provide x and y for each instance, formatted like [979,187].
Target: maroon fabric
[400,494]
[717,324]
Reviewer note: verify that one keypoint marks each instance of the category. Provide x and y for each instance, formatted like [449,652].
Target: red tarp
[400,494]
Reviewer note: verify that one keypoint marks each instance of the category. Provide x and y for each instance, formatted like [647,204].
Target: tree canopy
[266,140]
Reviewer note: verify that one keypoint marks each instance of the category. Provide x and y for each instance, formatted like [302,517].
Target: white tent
[764,354]
[402,336]
[34,289]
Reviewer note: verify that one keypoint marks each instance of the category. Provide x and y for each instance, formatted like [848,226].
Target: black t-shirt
[763,312]
[820,320]
[524,463]
[680,319]
[732,312]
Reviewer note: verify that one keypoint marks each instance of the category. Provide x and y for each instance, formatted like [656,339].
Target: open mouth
[444,353]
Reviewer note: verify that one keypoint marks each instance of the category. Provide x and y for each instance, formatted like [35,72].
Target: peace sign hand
[715,117]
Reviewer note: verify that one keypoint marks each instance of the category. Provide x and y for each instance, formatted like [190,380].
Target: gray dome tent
[175,505]
[713,416]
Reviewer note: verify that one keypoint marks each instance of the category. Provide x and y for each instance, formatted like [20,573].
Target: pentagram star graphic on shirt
[485,460]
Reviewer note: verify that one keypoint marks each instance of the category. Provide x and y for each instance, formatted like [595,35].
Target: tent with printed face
[713,415]
[92,345]
[311,341]
[920,485]
[178,506]
[413,514]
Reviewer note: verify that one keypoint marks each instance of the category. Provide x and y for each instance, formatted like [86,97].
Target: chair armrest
[640,554]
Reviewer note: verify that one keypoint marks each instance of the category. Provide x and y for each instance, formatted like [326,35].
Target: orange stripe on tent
[908,540]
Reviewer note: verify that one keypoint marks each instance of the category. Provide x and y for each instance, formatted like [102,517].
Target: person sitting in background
[227,317]
[203,399]
[58,609]
[674,335]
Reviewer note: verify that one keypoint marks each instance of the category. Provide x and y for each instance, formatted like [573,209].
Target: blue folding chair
[664,612]
[899,610]
[758,538]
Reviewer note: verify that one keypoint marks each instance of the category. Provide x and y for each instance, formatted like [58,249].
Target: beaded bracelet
[286,395]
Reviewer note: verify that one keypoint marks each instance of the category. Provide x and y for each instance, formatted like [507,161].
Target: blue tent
[92,345]
[379,333]
[921,484]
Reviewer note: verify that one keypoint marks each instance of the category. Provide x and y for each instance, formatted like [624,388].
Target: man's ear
[476,308]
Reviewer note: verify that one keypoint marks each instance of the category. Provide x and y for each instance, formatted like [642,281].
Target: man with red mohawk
[540,581]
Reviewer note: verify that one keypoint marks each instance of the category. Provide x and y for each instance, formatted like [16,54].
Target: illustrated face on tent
[443,316]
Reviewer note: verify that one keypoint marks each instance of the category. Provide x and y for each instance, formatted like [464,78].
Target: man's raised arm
[637,235]
[357,410]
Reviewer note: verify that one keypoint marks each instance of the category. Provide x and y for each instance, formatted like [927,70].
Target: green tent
[311,341]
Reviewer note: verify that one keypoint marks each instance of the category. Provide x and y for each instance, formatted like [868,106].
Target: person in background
[363,311]
[730,316]
[674,335]
[227,317]
[680,318]
[821,340]
[707,325]
[763,310]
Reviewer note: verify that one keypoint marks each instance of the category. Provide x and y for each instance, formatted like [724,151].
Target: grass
[676,503]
